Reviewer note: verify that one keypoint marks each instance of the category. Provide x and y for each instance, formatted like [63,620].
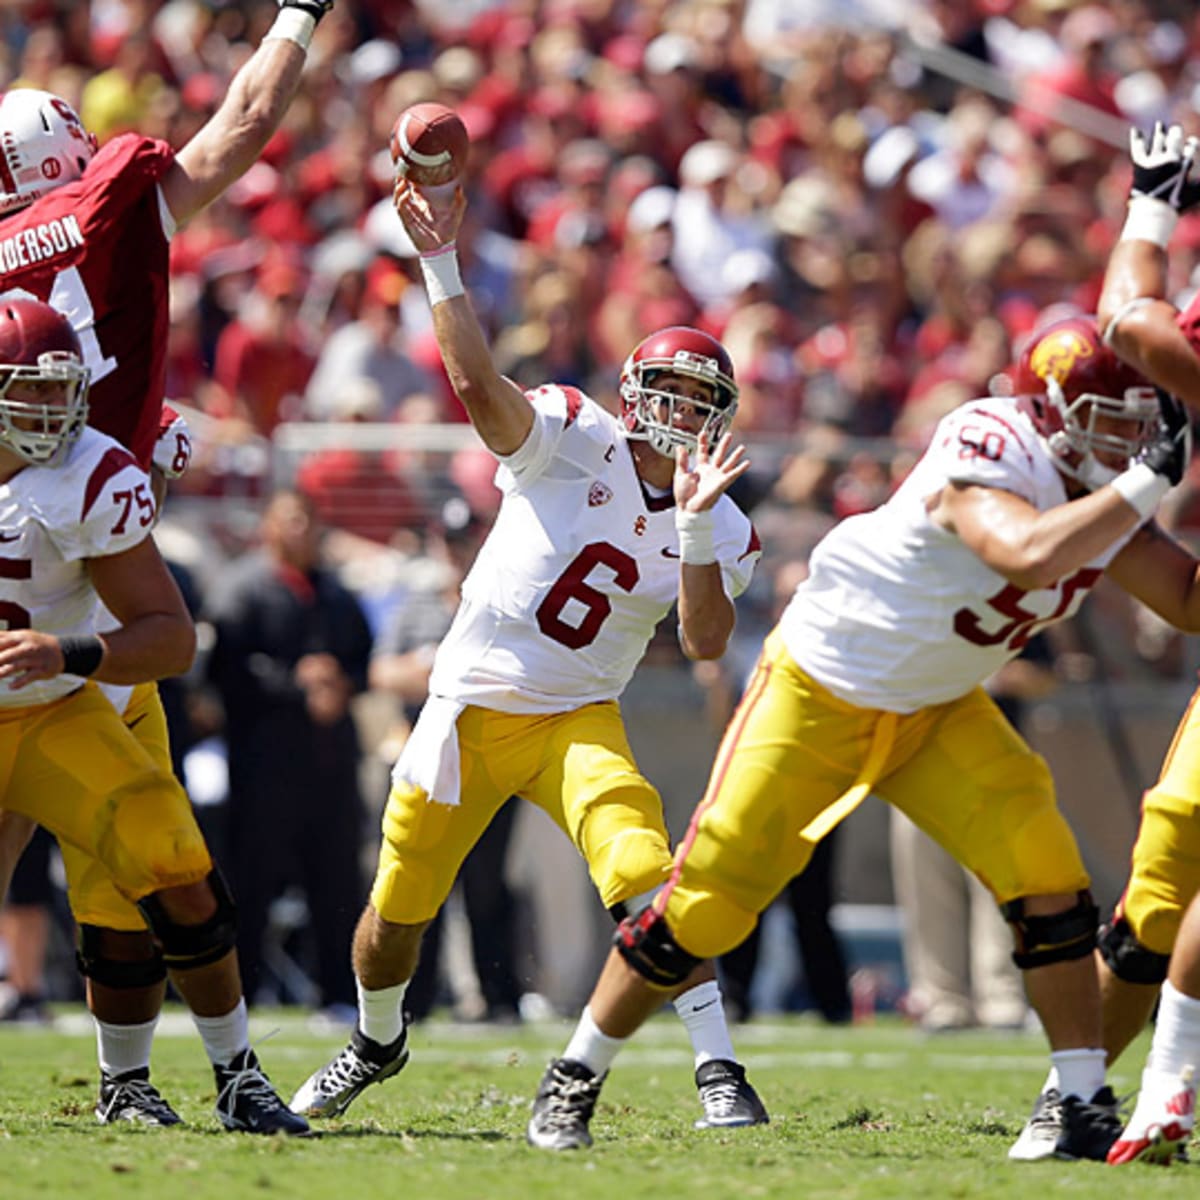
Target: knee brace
[1127,958]
[1059,937]
[186,947]
[123,975]
[646,943]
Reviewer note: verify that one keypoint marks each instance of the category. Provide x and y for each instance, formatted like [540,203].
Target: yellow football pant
[1165,872]
[125,825]
[958,770]
[576,766]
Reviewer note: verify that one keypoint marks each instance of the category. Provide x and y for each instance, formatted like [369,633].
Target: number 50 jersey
[581,565]
[897,613]
[97,502]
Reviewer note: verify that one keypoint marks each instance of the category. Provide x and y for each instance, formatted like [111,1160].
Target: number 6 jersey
[897,613]
[97,502]
[581,565]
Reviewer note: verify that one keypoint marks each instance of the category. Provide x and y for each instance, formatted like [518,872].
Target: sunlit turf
[872,1111]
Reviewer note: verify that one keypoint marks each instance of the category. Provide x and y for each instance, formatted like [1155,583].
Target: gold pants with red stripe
[107,793]
[1165,869]
[577,766]
[958,770]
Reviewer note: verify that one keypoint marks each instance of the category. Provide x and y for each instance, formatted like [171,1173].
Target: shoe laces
[1048,1112]
[721,1097]
[138,1094]
[347,1070]
[248,1081]
[568,1099]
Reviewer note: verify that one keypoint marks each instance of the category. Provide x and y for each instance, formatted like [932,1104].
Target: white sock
[225,1037]
[381,1012]
[1077,1072]
[1176,1032]
[123,1048]
[589,1046]
[703,1013]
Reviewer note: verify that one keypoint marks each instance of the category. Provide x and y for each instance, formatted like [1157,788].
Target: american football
[429,144]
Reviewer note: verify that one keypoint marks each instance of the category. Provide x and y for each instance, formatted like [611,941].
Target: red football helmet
[1070,381]
[43,145]
[40,354]
[649,412]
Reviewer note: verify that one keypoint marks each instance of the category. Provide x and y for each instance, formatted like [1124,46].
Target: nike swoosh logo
[707,1003]
[10,537]
[135,722]
[669,553]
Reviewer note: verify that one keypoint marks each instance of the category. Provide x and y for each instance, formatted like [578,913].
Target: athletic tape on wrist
[81,655]
[1149,220]
[1141,488]
[442,278]
[293,25]
[695,531]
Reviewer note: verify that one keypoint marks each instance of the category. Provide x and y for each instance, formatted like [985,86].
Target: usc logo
[1055,357]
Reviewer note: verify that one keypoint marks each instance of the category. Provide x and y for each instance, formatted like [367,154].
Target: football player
[88,229]
[1151,946]
[75,518]
[605,523]
[870,683]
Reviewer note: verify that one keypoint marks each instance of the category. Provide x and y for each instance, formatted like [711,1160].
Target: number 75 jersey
[580,566]
[897,613]
[97,502]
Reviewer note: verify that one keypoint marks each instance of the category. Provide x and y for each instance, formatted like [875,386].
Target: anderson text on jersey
[40,242]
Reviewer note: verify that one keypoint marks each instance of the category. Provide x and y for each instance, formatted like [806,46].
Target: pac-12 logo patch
[599,493]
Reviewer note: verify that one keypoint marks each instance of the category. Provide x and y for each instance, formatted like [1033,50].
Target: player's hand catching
[1162,166]
[701,478]
[431,225]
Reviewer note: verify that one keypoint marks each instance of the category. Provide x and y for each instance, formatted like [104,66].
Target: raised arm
[497,407]
[233,138]
[1137,320]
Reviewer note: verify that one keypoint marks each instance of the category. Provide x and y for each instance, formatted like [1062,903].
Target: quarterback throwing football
[605,523]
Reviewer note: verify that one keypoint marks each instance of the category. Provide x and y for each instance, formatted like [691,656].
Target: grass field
[873,1111]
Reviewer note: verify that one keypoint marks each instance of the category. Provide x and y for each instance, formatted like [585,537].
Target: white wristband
[1149,220]
[442,278]
[1141,488]
[695,531]
[293,25]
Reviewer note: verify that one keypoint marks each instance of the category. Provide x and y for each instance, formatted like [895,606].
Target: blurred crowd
[871,202]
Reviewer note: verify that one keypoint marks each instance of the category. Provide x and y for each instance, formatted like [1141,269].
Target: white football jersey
[97,502]
[897,613]
[581,565]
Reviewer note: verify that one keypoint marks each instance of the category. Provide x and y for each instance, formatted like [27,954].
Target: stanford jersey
[581,565]
[97,250]
[98,502]
[897,613]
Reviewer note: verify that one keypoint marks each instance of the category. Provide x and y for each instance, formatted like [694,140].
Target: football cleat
[247,1102]
[728,1098]
[563,1106]
[1040,1135]
[1089,1128]
[331,1090]
[1162,1121]
[131,1096]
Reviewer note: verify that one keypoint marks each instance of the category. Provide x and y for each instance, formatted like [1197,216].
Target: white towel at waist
[430,759]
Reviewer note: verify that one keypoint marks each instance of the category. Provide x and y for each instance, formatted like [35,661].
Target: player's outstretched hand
[1170,451]
[315,8]
[1163,166]
[700,478]
[431,223]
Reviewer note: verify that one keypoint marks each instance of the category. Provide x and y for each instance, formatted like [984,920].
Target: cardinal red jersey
[97,250]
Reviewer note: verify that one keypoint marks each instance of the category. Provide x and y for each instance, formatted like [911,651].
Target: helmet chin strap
[1089,471]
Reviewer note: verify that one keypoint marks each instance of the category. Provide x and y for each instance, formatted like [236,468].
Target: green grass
[874,1111]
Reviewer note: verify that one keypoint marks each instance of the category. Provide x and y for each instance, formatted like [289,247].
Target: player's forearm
[154,646]
[706,614]
[232,140]
[1135,269]
[500,413]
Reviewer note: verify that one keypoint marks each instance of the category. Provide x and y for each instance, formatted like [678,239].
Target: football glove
[1162,166]
[315,8]
[173,450]
[1168,454]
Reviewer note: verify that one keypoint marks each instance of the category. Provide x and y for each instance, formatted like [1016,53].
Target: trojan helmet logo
[1054,357]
